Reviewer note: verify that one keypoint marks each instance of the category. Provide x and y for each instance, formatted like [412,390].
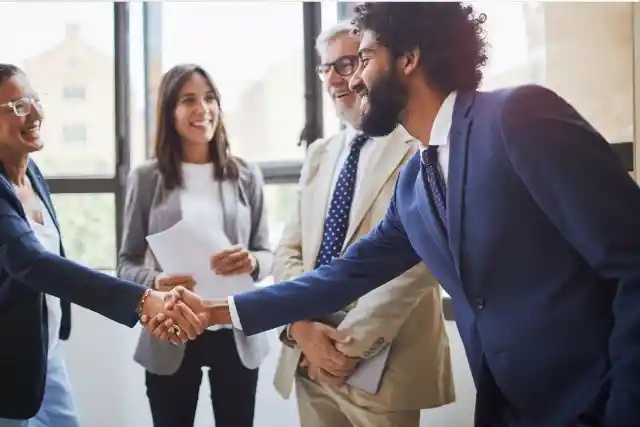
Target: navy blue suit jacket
[27,271]
[541,259]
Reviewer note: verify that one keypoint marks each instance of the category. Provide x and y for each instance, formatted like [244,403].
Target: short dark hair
[8,71]
[168,147]
[449,36]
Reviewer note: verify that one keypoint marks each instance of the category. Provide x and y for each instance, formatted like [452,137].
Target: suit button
[480,303]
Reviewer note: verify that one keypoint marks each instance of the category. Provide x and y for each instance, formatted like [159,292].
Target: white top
[201,201]
[49,238]
[439,136]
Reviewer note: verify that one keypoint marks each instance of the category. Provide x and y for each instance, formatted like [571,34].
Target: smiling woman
[194,177]
[36,274]
[26,108]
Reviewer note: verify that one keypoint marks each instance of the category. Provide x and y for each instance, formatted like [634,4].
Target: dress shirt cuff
[233,312]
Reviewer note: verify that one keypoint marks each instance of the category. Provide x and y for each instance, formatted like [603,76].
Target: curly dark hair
[449,36]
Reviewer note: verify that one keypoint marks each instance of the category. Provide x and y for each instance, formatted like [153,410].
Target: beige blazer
[406,312]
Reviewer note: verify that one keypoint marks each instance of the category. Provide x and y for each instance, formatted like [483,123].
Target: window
[546,43]
[258,70]
[331,123]
[81,34]
[87,225]
[137,122]
[74,134]
[73,93]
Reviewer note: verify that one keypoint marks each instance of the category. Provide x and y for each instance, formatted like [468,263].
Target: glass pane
[137,86]
[259,70]
[88,228]
[281,201]
[67,51]
[546,43]
[331,123]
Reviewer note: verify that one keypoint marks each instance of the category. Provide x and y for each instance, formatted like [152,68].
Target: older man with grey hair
[401,323]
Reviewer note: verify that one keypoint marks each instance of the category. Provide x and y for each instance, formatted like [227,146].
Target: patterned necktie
[337,220]
[435,183]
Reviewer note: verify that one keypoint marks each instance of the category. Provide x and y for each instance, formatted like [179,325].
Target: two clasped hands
[320,346]
[171,311]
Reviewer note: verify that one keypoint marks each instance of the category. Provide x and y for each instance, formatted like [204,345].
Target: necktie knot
[358,141]
[430,156]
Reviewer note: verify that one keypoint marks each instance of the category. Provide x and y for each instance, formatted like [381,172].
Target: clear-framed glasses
[345,66]
[21,107]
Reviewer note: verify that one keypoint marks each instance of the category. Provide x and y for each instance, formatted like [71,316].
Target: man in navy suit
[518,206]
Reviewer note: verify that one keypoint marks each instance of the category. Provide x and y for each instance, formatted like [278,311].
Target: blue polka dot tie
[434,182]
[337,220]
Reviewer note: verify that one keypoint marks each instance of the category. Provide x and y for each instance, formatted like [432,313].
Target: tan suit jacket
[406,312]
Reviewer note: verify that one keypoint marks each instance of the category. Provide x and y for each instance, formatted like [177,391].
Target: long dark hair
[168,147]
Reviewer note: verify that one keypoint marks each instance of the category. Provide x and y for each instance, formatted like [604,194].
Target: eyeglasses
[21,107]
[345,66]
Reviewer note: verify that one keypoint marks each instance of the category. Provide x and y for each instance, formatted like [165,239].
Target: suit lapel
[459,140]
[388,154]
[316,197]
[429,213]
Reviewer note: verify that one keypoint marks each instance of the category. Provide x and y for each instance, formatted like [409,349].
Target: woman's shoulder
[248,172]
[146,171]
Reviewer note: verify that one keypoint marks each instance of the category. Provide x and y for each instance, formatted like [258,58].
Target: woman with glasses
[195,177]
[37,283]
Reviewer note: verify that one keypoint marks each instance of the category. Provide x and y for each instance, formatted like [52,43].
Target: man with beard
[517,205]
[345,188]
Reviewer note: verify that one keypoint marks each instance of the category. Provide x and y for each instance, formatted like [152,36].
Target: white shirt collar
[350,132]
[442,123]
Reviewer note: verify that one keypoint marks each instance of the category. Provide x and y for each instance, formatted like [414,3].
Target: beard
[387,98]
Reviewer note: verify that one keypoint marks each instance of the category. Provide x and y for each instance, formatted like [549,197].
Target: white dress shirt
[48,236]
[201,201]
[365,154]
[439,136]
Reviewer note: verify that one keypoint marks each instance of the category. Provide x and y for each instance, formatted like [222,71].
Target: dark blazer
[27,271]
[541,259]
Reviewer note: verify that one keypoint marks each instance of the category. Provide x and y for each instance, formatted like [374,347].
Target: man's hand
[317,342]
[207,312]
[321,376]
[232,261]
[164,282]
[154,309]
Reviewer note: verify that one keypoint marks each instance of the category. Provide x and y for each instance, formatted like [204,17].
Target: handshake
[180,315]
[176,314]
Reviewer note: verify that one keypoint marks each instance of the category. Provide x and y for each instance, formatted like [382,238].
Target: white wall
[110,391]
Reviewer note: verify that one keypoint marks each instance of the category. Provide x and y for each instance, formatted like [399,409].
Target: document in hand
[187,248]
[368,375]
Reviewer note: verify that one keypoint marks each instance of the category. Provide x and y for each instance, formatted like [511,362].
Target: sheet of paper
[186,248]
[368,375]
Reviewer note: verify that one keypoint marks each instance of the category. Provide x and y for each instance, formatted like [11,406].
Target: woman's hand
[232,261]
[165,282]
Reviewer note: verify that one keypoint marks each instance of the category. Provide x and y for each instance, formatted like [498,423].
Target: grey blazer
[150,208]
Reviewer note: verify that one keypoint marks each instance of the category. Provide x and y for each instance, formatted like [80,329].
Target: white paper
[187,248]
[368,375]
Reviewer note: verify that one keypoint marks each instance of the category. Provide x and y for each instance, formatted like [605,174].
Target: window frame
[275,172]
